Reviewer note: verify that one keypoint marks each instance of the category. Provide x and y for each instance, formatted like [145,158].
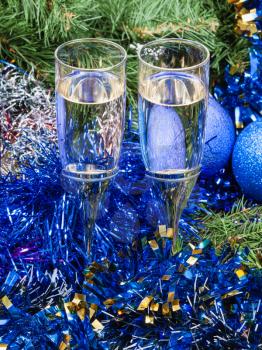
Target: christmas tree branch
[31,29]
[240,227]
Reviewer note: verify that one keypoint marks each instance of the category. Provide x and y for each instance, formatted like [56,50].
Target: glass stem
[175,195]
[91,198]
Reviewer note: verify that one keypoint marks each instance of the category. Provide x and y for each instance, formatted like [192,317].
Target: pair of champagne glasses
[173,77]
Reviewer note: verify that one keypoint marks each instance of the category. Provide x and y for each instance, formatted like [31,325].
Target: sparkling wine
[172,109]
[90,120]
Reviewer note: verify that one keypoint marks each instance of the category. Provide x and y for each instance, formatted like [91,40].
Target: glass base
[90,173]
[81,182]
[174,175]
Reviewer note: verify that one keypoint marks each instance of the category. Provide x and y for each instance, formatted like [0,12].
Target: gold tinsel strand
[245,18]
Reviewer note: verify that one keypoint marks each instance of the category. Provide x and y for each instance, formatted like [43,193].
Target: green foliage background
[30,30]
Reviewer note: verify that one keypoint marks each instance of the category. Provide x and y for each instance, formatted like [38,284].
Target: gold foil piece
[154,307]
[6,302]
[234,69]
[165,309]
[246,333]
[77,305]
[95,267]
[69,307]
[149,319]
[192,260]
[81,313]
[165,232]
[162,230]
[175,305]
[166,277]
[78,298]
[67,338]
[197,251]
[192,246]
[153,244]
[251,16]
[90,281]
[170,233]
[251,28]
[231,294]
[62,346]
[240,273]
[89,275]
[92,310]
[109,302]
[145,303]
[239,125]
[97,325]
[245,18]
[170,297]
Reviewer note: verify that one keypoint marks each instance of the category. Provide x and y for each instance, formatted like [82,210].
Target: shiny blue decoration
[165,139]
[51,299]
[241,94]
[219,139]
[218,192]
[247,161]
[198,301]
[43,265]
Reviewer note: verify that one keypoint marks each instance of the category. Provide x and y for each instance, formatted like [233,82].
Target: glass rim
[88,40]
[191,43]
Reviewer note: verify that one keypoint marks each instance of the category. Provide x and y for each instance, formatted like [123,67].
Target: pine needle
[242,227]
[30,30]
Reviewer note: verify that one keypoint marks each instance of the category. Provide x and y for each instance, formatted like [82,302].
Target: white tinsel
[27,112]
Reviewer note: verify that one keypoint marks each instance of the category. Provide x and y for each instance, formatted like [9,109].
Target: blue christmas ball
[219,138]
[166,139]
[247,161]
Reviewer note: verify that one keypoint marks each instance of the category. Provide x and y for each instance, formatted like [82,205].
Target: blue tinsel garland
[135,296]
[242,93]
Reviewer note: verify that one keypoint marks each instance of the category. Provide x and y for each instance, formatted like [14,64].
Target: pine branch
[31,29]
[240,227]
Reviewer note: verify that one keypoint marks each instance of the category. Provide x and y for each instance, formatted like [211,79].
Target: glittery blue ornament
[219,139]
[247,161]
[166,139]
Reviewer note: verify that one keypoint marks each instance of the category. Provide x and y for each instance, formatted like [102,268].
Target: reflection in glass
[172,103]
[90,106]
[90,100]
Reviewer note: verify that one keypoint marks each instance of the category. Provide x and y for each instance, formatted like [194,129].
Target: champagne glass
[172,105]
[90,110]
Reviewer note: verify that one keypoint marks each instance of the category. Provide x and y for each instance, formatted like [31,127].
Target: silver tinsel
[27,113]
